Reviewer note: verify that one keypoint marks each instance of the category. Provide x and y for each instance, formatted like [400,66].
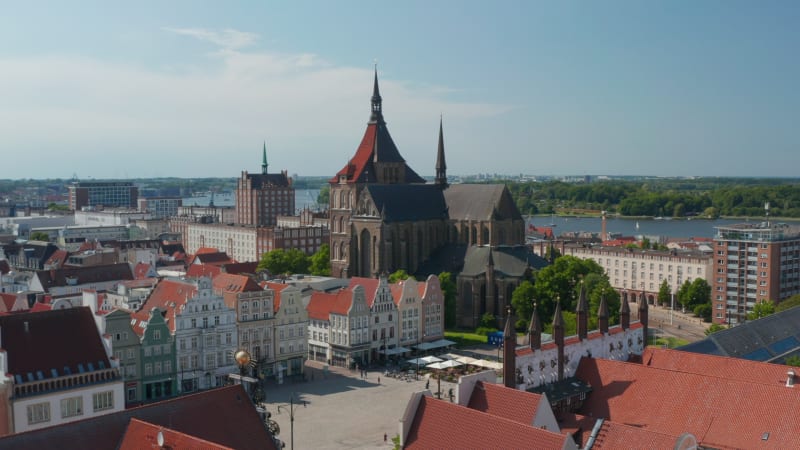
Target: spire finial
[264,163]
[377,114]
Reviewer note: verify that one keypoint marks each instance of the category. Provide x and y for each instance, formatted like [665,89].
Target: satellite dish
[160,438]
[686,441]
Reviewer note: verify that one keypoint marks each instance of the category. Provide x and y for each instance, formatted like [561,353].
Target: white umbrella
[430,359]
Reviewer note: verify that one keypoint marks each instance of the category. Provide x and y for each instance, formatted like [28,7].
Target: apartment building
[102,193]
[753,263]
[635,270]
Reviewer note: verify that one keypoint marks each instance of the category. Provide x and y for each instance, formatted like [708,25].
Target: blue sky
[192,89]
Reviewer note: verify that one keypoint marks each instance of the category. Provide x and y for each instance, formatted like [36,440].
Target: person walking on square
[384,437]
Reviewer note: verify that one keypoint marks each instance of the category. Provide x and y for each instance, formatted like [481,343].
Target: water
[648,227]
[303,198]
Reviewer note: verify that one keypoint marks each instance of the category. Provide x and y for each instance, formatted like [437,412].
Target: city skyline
[193,90]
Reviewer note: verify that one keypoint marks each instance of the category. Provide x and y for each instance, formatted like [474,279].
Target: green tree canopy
[793,360]
[699,293]
[448,286]
[664,293]
[790,302]
[714,328]
[280,261]
[398,275]
[39,236]
[320,263]
[324,196]
[522,300]
[761,309]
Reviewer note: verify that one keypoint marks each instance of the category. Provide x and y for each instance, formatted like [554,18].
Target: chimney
[624,314]
[582,314]
[602,315]
[558,335]
[535,331]
[510,352]
[790,378]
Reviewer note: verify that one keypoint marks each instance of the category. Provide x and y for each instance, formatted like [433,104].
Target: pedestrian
[379,380]
[384,437]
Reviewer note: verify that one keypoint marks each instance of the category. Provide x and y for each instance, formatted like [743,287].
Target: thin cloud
[228,38]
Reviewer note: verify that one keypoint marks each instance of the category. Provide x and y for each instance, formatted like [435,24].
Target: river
[303,198]
[648,227]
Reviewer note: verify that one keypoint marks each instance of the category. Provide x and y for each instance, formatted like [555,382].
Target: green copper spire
[264,160]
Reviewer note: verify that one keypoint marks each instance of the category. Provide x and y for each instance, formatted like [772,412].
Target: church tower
[441,165]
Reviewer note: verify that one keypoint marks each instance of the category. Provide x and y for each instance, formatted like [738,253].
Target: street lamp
[291,409]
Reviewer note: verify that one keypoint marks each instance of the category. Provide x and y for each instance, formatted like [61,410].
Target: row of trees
[280,261]
[710,197]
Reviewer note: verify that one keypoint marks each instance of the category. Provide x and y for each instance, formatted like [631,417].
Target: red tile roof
[370,287]
[323,304]
[39,307]
[718,366]
[57,259]
[40,341]
[169,296]
[277,288]
[500,401]
[203,270]
[397,292]
[141,270]
[439,424]
[355,167]
[224,416]
[141,435]
[225,282]
[211,258]
[84,275]
[720,412]
[7,302]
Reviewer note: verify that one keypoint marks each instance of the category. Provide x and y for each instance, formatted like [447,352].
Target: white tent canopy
[424,361]
[444,364]
[434,344]
[395,351]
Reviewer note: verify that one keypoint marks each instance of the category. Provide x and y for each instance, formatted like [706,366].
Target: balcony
[66,382]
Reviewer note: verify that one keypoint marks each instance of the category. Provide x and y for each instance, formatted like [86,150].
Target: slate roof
[140,434]
[720,412]
[84,275]
[771,338]
[508,260]
[480,202]
[447,258]
[262,180]
[224,416]
[240,268]
[440,424]
[408,202]
[55,339]
[211,258]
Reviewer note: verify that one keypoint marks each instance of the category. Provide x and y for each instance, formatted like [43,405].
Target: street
[684,326]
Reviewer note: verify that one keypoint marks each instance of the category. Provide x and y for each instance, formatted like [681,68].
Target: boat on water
[552,220]
[637,225]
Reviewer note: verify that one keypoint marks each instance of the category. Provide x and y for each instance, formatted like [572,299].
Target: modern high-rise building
[107,194]
[753,263]
[262,197]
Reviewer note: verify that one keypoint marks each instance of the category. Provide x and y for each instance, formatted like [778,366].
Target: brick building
[262,197]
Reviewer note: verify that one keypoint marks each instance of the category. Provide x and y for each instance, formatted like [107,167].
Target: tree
[280,261]
[793,360]
[714,328]
[398,275]
[449,291]
[761,309]
[324,196]
[522,300]
[703,311]
[683,294]
[321,262]
[552,253]
[664,294]
[790,302]
[699,292]
[39,236]
[561,280]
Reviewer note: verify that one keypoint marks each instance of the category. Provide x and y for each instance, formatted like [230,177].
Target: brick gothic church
[385,217]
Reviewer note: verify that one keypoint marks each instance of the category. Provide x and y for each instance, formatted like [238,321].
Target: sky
[194,88]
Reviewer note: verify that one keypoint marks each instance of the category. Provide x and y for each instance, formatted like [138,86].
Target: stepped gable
[169,296]
[46,340]
[480,202]
[234,423]
[370,286]
[406,203]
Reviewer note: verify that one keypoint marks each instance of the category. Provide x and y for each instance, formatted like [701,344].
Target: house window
[148,369]
[157,334]
[38,413]
[71,407]
[103,400]
[132,394]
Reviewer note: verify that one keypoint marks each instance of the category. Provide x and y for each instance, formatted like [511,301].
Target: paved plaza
[343,411]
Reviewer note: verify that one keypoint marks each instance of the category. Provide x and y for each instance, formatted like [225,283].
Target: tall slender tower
[441,165]
[510,351]
[602,315]
[535,331]
[558,336]
[582,314]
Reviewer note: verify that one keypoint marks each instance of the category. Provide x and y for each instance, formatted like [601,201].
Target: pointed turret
[582,313]
[624,314]
[510,351]
[377,114]
[441,165]
[535,330]
[643,307]
[558,336]
[264,163]
[602,315]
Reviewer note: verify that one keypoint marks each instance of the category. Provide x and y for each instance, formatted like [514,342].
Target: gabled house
[126,348]
[69,282]
[289,332]
[384,317]
[340,326]
[55,369]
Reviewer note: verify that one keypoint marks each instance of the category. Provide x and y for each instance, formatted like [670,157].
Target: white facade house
[290,329]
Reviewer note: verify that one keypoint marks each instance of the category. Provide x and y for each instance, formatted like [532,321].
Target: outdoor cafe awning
[424,361]
[434,344]
[444,364]
[395,351]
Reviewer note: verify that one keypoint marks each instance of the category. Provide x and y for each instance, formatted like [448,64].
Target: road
[683,326]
